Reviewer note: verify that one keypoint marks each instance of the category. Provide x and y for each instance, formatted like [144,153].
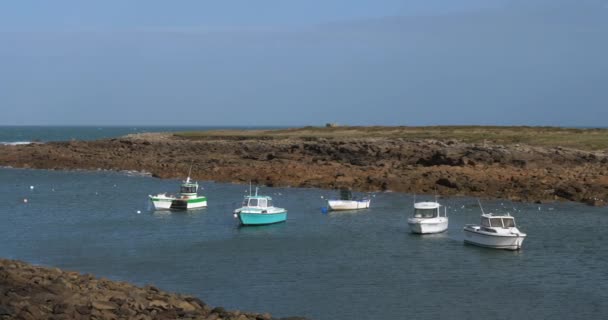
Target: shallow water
[349,265]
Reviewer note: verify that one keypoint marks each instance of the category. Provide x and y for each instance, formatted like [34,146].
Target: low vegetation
[584,139]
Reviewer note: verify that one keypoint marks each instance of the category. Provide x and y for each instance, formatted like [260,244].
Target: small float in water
[348,202]
[188,198]
[259,210]
[494,231]
[427,218]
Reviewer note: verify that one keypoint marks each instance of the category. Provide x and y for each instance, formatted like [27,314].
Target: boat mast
[189,172]
[480,206]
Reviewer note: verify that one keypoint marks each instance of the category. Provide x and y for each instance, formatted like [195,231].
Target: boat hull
[425,226]
[178,204]
[483,239]
[256,219]
[347,204]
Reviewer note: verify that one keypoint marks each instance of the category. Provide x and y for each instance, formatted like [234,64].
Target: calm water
[17,134]
[358,265]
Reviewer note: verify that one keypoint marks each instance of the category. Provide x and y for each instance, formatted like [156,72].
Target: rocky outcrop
[31,292]
[449,167]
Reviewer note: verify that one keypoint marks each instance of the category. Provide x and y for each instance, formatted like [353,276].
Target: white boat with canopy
[428,218]
[495,231]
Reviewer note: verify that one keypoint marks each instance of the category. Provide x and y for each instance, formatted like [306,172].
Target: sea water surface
[341,265]
[27,134]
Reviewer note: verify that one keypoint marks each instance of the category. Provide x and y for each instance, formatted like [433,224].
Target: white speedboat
[427,218]
[348,202]
[188,198]
[495,231]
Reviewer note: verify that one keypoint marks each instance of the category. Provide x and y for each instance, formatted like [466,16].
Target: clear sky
[293,62]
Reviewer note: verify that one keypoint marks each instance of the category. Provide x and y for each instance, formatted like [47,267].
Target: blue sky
[385,62]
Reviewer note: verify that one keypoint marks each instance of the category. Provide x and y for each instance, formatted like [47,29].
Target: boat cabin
[489,221]
[346,195]
[260,202]
[427,210]
[189,188]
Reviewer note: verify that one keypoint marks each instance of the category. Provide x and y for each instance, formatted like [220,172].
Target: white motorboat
[427,218]
[188,198]
[495,231]
[348,202]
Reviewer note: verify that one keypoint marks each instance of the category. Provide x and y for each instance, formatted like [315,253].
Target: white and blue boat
[259,210]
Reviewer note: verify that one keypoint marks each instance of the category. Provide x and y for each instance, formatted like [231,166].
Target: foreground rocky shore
[513,171]
[31,292]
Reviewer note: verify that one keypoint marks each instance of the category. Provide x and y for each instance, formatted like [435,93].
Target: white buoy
[138,211]
[321,197]
[235,215]
[31,187]
[24,200]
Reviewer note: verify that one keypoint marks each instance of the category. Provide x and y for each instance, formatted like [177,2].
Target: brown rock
[186,306]
[104,305]
[158,304]
[84,310]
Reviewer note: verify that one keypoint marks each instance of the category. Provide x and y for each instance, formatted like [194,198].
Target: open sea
[27,134]
[340,265]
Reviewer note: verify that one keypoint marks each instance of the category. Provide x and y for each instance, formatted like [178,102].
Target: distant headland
[534,164]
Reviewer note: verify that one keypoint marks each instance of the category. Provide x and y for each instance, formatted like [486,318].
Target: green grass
[585,139]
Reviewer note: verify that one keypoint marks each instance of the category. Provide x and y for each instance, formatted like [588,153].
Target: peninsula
[33,292]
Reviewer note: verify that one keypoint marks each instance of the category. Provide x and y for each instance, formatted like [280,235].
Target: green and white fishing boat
[188,198]
[259,210]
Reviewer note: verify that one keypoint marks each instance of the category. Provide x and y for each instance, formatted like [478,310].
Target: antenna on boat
[480,206]
[189,171]
[249,187]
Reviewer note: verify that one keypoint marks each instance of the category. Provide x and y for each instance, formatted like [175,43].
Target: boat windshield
[188,189]
[425,213]
[262,203]
[496,222]
[269,203]
[345,194]
[253,202]
[508,222]
[485,222]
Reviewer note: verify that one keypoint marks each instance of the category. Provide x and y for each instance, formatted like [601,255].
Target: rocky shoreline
[33,292]
[517,172]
